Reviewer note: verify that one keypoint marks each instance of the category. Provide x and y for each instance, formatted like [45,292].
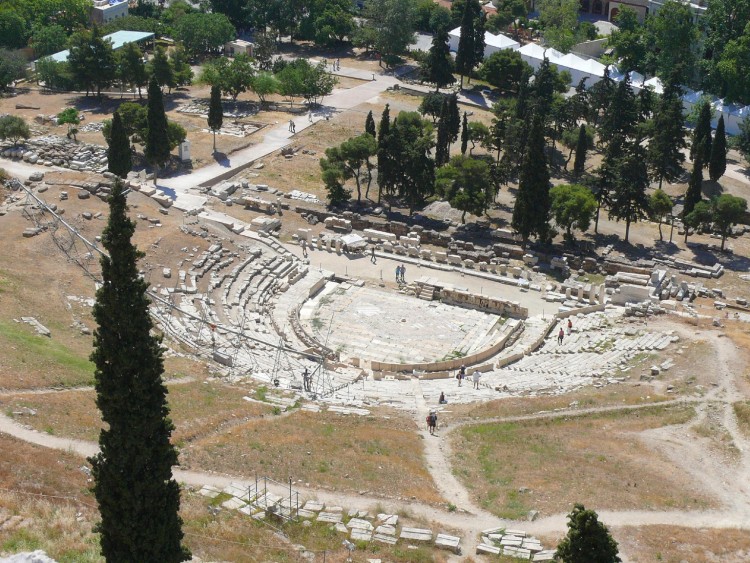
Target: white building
[104,11]
[492,43]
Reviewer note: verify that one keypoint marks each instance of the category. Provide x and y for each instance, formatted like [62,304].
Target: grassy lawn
[596,459]
[352,453]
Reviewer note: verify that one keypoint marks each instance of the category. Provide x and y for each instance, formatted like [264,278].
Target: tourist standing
[398,273]
[560,336]
[372,255]
[442,400]
[432,421]
[570,326]
[475,377]
[403,273]
[461,375]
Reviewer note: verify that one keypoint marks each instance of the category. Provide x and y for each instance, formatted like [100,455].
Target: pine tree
[665,150]
[370,125]
[630,202]
[157,141]
[465,55]
[581,148]
[694,192]
[621,115]
[606,176]
[718,163]
[532,206]
[215,112]
[464,134]
[161,69]
[138,499]
[702,134]
[588,539]
[438,65]
[442,146]
[119,155]
[385,164]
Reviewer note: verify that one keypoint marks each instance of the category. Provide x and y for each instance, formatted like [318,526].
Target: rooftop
[118,39]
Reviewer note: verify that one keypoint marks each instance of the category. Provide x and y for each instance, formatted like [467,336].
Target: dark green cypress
[385,164]
[157,141]
[581,148]
[465,53]
[138,499]
[532,206]
[454,117]
[694,192]
[442,146]
[464,134]
[370,125]
[702,134]
[119,155]
[215,112]
[718,163]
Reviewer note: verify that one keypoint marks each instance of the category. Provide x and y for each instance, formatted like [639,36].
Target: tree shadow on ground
[222,159]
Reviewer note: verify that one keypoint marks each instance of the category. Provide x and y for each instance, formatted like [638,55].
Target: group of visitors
[561,334]
[400,273]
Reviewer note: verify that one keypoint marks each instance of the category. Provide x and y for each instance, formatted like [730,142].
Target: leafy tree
[619,121]
[604,182]
[559,21]
[392,23]
[264,84]
[580,102]
[702,134]
[727,210]
[742,140]
[410,143]
[386,161]
[672,37]
[265,49]
[204,33]
[733,68]
[334,23]
[717,163]
[466,58]
[701,216]
[130,67]
[694,191]
[333,178]
[628,41]
[437,67]
[532,206]
[572,206]
[665,149]
[352,157]
[587,539]
[504,69]
[157,137]
[725,23]
[13,127]
[119,156]
[432,105]
[138,499]
[69,117]
[465,183]
[12,68]
[136,23]
[601,95]
[232,77]
[464,134]
[182,73]
[47,40]
[370,125]
[70,14]
[584,142]
[478,133]
[91,60]
[629,200]
[659,205]
[160,69]
[176,134]
[53,74]
[235,10]
[509,13]
[215,112]
[13,30]
[364,37]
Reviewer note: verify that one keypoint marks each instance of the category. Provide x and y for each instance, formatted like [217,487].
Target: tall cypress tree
[532,206]
[665,150]
[581,148]
[442,146]
[465,55]
[438,66]
[464,134]
[157,141]
[119,156]
[454,117]
[385,163]
[480,21]
[630,202]
[370,125]
[718,163]
[694,192]
[215,112]
[138,499]
[702,134]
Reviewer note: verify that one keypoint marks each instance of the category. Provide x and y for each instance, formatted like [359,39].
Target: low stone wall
[582,310]
[52,150]
[483,303]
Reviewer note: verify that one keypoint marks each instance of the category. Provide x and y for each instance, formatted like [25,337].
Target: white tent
[655,84]
[492,43]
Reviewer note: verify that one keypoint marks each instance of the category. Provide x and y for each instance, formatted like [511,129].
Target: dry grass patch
[673,544]
[742,412]
[595,459]
[352,453]
[197,408]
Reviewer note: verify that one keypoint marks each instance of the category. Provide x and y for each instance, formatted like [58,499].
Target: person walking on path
[475,378]
[372,255]
[398,273]
[304,248]
[570,326]
[461,375]
[432,421]
[560,336]
[403,273]
[309,116]
[291,126]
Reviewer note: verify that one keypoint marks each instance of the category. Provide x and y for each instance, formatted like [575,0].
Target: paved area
[374,324]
